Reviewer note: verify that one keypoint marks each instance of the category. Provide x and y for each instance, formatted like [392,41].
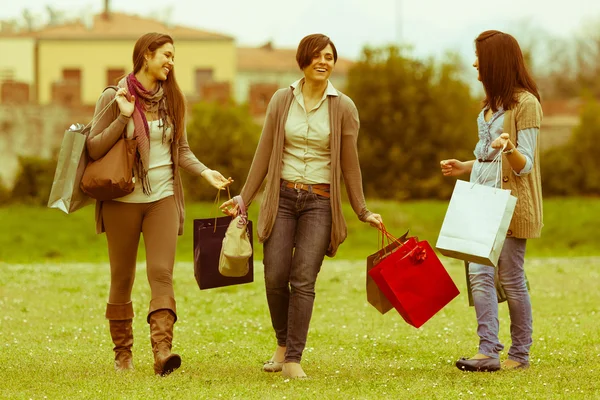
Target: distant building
[561,116]
[69,64]
[263,70]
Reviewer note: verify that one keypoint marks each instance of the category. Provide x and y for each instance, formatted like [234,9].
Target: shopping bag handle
[485,172]
[384,235]
[215,206]
[243,214]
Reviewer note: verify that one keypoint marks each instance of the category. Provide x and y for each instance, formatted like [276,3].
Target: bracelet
[509,152]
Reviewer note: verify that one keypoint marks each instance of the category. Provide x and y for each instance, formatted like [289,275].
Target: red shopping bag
[415,282]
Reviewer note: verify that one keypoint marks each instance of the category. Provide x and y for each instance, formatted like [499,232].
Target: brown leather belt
[322,189]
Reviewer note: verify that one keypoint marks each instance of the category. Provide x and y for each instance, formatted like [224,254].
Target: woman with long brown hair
[509,123]
[149,107]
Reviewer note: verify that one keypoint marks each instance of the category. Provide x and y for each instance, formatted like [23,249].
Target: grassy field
[56,345]
[32,234]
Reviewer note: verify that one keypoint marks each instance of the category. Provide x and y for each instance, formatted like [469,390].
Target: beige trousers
[158,222]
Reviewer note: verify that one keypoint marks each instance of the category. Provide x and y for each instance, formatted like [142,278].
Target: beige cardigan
[108,129]
[344,124]
[527,220]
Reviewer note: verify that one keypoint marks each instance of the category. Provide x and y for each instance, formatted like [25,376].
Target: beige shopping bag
[236,249]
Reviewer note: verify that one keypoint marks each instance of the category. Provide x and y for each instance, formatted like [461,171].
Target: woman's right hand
[125,101]
[453,167]
[230,208]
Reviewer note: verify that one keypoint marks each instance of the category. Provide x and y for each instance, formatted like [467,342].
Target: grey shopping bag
[72,160]
[476,223]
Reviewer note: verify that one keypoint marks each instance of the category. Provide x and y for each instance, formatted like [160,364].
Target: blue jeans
[512,277]
[293,255]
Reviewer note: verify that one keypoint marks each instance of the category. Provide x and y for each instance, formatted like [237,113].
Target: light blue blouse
[486,173]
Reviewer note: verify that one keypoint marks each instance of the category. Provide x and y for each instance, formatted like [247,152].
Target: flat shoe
[272,366]
[511,366]
[293,370]
[480,365]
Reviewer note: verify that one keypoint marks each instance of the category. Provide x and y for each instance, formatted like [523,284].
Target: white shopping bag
[476,223]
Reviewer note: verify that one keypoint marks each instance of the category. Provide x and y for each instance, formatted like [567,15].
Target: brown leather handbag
[111,176]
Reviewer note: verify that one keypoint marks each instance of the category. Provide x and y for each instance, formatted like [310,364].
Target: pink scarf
[145,102]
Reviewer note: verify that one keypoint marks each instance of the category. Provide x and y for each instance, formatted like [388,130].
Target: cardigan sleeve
[528,113]
[349,159]
[187,158]
[262,155]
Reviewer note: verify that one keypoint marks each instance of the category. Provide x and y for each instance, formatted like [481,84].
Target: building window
[203,76]
[113,75]
[67,92]
[72,76]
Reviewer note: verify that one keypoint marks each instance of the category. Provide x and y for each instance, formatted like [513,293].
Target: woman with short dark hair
[308,142]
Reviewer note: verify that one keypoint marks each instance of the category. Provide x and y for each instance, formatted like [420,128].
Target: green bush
[34,181]
[573,168]
[413,114]
[224,138]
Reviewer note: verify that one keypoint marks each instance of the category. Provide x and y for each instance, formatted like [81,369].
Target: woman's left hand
[216,179]
[502,141]
[375,220]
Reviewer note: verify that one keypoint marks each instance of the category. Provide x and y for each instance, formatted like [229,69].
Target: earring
[146,66]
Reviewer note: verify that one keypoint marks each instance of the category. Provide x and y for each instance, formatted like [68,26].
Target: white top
[160,170]
[306,151]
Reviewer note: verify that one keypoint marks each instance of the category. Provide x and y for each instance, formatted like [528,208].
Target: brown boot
[161,337]
[120,317]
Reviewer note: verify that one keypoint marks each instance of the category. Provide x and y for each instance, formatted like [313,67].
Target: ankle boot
[120,317]
[161,337]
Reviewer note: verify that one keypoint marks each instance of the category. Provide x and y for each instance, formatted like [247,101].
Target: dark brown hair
[150,42]
[311,44]
[502,70]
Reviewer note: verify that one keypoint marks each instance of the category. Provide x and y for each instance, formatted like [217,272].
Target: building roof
[268,58]
[567,107]
[117,26]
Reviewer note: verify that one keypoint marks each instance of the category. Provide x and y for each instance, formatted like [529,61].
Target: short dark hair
[311,44]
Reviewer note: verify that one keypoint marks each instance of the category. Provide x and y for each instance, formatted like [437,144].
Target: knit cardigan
[267,162]
[527,220]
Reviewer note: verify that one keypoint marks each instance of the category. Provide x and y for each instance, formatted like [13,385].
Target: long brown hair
[174,97]
[502,70]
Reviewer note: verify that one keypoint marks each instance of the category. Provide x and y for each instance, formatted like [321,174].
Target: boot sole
[476,368]
[171,364]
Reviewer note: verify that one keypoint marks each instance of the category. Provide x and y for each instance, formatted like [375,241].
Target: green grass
[56,345]
[32,234]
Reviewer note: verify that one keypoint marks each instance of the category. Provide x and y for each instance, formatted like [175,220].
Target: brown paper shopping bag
[374,295]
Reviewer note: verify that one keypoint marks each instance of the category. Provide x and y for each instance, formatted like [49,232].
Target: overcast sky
[431,26]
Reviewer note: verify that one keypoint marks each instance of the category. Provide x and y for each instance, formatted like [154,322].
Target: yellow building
[71,63]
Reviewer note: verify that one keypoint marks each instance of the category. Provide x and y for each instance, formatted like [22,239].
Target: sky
[431,27]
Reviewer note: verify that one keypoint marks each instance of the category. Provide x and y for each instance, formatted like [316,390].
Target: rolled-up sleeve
[526,144]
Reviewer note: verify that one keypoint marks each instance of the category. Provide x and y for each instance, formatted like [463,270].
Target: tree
[224,138]
[572,169]
[413,114]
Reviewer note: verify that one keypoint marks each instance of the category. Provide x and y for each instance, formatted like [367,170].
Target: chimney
[106,13]
[267,46]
